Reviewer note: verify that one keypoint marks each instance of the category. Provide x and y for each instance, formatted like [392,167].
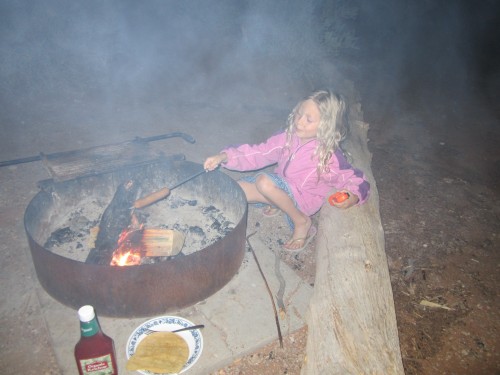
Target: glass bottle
[95,352]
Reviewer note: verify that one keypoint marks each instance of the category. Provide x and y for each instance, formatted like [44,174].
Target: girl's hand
[349,202]
[213,162]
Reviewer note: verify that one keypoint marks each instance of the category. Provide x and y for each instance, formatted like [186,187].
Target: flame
[129,249]
[127,259]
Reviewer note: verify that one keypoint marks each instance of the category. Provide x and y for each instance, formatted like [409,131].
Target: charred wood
[116,217]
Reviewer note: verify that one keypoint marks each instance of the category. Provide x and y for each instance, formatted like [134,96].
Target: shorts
[279,182]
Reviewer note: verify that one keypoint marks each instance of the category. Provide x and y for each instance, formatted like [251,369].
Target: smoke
[129,54]
[410,46]
[198,47]
[139,50]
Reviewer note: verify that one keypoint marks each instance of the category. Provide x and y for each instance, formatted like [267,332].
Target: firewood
[162,242]
[116,217]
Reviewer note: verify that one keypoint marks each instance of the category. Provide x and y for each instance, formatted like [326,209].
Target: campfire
[130,250]
[123,236]
[136,244]
[89,246]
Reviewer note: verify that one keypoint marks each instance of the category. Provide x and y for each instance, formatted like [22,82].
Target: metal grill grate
[65,166]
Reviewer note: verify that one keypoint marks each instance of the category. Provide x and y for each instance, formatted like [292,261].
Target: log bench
[351,319]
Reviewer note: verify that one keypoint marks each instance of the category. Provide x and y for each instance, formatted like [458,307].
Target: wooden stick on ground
[268,290]
[281,290]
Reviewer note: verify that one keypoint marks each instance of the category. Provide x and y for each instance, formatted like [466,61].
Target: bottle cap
[86,313]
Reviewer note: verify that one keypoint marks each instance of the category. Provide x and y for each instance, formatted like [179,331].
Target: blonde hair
[332,127]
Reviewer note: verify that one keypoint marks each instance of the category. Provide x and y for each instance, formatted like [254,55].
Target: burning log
[116,217]
[135,244]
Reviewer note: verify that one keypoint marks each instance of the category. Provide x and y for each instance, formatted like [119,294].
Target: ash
[76,231]
[202,224]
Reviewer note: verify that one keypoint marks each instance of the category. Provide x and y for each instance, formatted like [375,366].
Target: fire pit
[211,255]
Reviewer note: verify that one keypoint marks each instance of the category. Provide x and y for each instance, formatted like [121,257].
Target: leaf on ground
[433,304]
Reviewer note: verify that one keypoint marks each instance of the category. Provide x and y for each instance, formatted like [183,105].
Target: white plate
[193,338]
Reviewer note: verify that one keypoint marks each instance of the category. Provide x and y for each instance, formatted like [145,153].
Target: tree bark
[351,320]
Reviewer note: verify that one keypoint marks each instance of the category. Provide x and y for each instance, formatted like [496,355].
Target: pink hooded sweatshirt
[297,166]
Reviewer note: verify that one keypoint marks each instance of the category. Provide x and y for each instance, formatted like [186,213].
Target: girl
[309,163]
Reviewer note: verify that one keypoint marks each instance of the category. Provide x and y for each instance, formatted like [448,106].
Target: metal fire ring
[143,290]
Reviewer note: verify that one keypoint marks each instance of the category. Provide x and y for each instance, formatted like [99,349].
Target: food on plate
[160,352]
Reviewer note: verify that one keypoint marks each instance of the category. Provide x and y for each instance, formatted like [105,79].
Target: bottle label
[89,328]
[97,366]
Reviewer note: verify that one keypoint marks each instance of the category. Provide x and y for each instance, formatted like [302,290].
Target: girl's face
[307,120]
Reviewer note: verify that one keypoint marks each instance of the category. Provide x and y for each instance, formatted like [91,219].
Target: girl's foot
[301,237]
[271,211]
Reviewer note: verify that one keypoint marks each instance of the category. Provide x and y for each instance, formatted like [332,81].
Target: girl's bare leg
[265,191]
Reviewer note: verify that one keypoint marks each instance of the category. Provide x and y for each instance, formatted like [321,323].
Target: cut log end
[162,242]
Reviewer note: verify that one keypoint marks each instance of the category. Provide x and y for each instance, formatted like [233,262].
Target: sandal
[271,211]
[310,235]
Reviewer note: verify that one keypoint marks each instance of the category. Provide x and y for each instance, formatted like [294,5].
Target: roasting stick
[268,290]
[162,193]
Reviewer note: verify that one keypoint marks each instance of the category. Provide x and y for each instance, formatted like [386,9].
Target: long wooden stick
[268,290]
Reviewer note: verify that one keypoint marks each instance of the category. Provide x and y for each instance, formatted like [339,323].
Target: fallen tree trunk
[351,319]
